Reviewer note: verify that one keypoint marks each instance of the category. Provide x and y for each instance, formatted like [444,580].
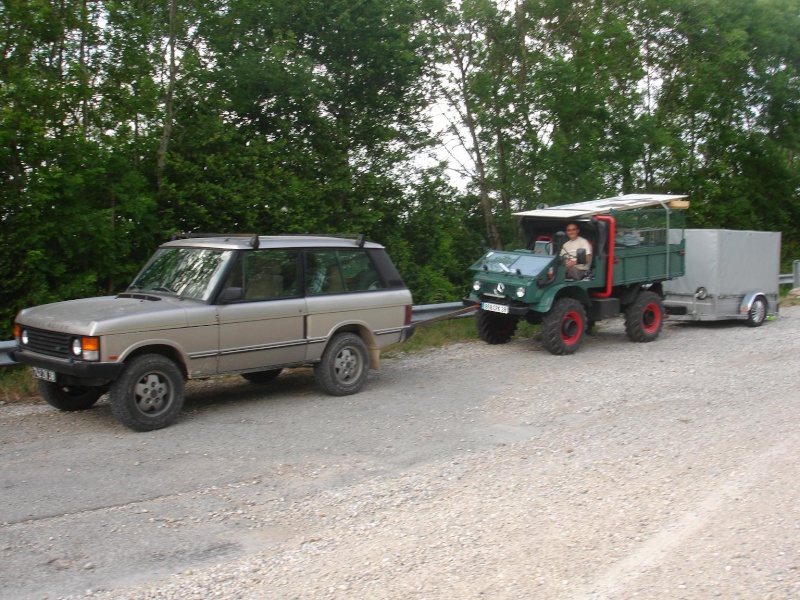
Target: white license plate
[44,374]
[499,308]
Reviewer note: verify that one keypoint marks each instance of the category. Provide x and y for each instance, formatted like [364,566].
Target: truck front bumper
[71,371]
[515,309]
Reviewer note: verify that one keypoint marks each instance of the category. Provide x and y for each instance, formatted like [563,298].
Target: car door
[264,326]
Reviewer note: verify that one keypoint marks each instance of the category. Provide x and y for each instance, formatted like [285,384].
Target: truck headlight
[476,285]
[86,348]
[520,292]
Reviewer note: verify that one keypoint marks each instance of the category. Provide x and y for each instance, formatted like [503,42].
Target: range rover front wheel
[149,393]
[344,365]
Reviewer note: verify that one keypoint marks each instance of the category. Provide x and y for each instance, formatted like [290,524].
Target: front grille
[51,343]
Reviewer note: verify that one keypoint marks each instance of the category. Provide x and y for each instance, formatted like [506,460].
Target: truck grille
[51,343]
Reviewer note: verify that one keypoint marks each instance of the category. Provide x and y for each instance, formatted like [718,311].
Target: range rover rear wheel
[69,397]
[149,393]
[344,365]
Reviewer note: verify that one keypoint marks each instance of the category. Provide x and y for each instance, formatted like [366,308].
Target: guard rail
[423,312]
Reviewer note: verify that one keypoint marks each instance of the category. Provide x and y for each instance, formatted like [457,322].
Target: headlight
[24,337]
[87,348]
[520,292]
[476,285]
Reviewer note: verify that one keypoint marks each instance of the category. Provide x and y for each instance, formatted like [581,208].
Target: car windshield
[185,272]
[512,263]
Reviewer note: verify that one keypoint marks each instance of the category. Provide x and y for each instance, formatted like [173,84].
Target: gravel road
[661,470]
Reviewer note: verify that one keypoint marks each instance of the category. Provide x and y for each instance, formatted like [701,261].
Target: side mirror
[560,239]
[231,294]
[580,256]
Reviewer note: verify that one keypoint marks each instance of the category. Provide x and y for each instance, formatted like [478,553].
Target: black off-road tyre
[494,328]
[262,376]
[344,365]
[564,326]
[757,313]
[149,394]
[69,397]
[644,318]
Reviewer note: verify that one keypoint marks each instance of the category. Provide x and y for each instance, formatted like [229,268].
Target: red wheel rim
[651,318]
[571,327]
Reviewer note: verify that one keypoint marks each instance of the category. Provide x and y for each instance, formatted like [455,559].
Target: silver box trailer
[729,275]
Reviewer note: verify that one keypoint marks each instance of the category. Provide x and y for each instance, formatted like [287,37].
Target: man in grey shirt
[569,251]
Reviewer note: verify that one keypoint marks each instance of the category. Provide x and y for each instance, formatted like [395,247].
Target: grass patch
[436,335]
[442,333]
[17,384]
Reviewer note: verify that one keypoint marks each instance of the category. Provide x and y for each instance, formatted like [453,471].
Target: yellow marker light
[91,348]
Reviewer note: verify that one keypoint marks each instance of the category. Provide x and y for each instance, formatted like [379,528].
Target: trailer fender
[749,298]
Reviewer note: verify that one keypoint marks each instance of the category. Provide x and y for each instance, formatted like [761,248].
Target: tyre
[644,318]
[344,365]
[494,328]
[262,376]
[758,312]
[69,397]
[563,328]
[149,393]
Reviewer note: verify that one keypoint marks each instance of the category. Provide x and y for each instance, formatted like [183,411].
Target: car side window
[336,271]
[265,274]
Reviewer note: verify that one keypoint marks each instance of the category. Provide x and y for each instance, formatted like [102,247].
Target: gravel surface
[662,470]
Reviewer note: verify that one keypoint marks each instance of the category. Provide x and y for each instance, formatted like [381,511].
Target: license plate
[44,374]
[498,308]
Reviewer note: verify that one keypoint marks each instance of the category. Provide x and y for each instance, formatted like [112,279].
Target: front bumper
[516,309]
[71,371]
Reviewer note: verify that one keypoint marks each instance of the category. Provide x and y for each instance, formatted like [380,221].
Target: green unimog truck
[636,243]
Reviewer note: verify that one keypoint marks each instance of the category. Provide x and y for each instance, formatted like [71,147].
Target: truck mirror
[580,256]
[560,238]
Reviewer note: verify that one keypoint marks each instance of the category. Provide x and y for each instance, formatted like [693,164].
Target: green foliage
[122,122]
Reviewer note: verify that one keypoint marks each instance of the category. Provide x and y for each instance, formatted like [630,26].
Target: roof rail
[186,236]
[358,238]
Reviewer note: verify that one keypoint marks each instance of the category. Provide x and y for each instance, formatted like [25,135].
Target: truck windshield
[185,272]
[529,265]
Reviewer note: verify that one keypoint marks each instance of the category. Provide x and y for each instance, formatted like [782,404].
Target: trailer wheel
[758,312]
[563,327]
[645,317]
[494,328]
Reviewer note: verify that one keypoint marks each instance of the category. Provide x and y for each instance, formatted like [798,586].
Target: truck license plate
[44,374]
[498,308]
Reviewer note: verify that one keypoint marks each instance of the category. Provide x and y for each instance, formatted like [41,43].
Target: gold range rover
[228,304]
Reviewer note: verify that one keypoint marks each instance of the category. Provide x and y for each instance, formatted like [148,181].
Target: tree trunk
[166,134]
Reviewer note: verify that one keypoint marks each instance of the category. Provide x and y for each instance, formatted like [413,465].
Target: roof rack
[358,238]
[187,236]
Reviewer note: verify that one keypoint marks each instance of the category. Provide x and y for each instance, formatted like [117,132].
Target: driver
[569,251]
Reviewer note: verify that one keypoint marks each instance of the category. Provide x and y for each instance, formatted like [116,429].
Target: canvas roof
[604,205]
